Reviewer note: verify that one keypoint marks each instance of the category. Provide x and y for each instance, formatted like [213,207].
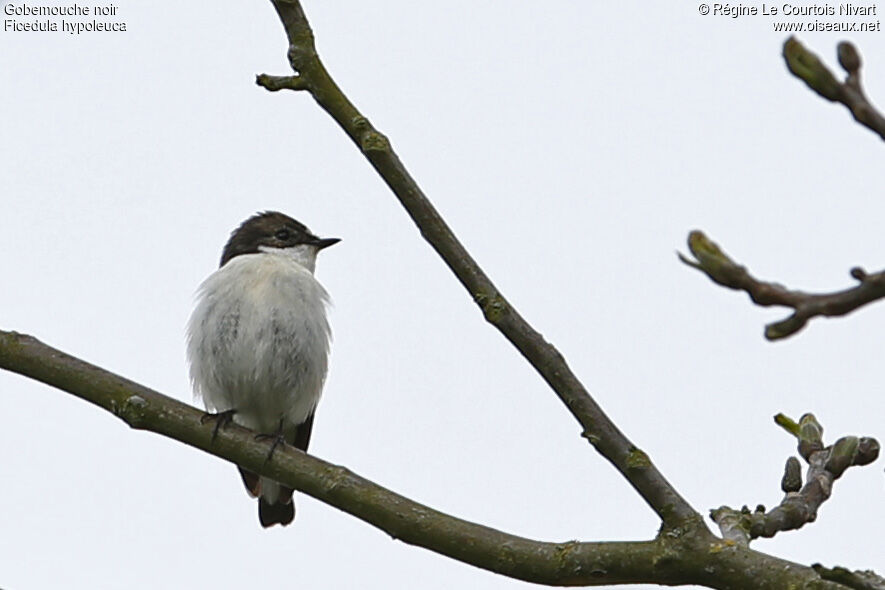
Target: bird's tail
[275,505]
[279,513]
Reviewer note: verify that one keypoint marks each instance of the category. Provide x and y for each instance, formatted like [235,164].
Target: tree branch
[801,503]
[401,518]
[806,66]
[684,552]
[633,463]
[858,580]
[687,556]
[275,83]
[716,264]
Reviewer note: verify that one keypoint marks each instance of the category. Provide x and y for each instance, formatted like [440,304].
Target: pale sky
[571,146]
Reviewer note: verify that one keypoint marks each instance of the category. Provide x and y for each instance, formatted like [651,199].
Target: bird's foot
[276,437]
[221,420]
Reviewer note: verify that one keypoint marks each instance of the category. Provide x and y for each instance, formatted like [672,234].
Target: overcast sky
[571,146]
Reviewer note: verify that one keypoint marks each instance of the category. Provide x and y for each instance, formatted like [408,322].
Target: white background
[571,145]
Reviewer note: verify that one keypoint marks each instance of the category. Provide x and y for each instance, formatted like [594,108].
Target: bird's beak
[325,242]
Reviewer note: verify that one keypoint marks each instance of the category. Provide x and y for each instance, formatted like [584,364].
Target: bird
[258,342]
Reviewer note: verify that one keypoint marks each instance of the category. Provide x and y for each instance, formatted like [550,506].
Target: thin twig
[806,66]
[857,580]
[633,463]
[716,264]
[275,83]
[801,503]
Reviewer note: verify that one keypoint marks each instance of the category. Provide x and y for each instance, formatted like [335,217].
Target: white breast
[258,340]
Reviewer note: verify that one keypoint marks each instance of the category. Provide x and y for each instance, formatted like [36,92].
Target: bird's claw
[221,420]
[276,437]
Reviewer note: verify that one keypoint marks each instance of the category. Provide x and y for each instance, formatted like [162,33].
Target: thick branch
[145,409]
[686,556]
[801,503]
[597,427]
[716,264]
[806,66]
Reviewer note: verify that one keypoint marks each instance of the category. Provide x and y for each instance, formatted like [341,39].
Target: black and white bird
[258,341]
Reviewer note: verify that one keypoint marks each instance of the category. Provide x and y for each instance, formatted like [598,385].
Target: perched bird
[258,342]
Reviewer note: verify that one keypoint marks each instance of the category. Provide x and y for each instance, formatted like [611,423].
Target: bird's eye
[282,235]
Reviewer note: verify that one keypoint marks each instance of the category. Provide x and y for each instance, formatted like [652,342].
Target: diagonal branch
[716,264]
[683,553]
[142,408]
[145,409]
[806,66]
[687,556]
[633,463]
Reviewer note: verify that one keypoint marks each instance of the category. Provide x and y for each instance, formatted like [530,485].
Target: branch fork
[808,67]
[683,552]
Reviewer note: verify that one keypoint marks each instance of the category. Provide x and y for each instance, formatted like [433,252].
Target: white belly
[258,341]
